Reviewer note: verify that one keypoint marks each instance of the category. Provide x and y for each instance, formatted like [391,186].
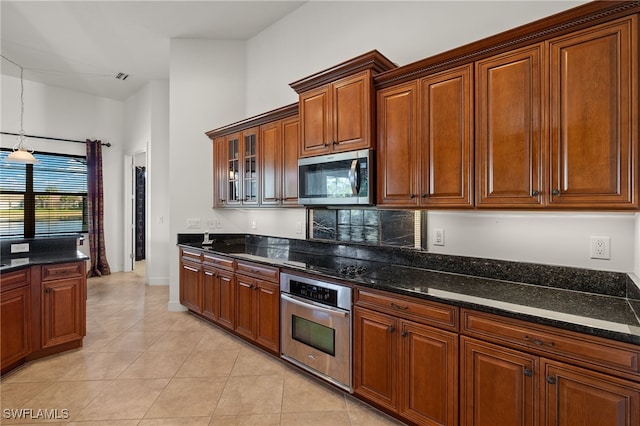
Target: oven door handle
[305,303]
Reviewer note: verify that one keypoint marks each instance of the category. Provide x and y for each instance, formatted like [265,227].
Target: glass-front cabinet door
[250,139]
[233,179]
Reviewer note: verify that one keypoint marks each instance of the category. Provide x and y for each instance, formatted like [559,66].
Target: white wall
[159,240]
[61,113]
[146,132]
[207,90]
[319,35]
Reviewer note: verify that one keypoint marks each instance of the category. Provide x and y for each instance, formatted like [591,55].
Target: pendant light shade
[21,155]
[22,151]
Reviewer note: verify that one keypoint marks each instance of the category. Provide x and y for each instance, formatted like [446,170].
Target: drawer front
[15,279]
[62,270]
[547,340]
[258,271]
[218,261]
[192,255]
[426,312]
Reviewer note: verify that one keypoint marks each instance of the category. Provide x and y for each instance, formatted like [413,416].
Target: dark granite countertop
[595,314]
[20,261]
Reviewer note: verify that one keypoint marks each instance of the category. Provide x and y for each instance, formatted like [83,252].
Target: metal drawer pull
[398,307]
[537,341]
[391,329]
[528,372]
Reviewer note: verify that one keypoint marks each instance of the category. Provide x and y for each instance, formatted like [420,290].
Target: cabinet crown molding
[372,60]
[257,120]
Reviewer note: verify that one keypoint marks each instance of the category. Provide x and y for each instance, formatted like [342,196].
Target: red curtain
[97,251]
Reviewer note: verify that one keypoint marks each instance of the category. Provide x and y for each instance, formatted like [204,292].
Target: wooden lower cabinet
[63,316]
[574,396]
[258,311]
[191,285]
[217,296]
[405,367]
[497,386]
[510,387]
[15,318]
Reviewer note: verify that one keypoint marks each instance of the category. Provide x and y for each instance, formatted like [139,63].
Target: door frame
[129,206]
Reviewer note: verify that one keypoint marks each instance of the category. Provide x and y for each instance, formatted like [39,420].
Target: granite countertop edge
[557,318]
[17,262]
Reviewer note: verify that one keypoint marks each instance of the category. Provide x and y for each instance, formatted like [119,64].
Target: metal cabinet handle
[412,196]
[398,307]
[391,329]
[551,380]
[424,195]
[538,342]
[528,372]
[47,290]
[404,333]
[335,143]
[535,193]
[555,192]
[326,144]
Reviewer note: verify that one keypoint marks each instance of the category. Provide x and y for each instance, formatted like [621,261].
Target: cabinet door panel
[233,172]
[15,325]
[268,324]
[509,129]
[576,397]
[245,309]
[290,142]
[593,113]
[497,385]
[62,314]
[351,107]
[220,172]
[211,294]
[447,125]
[375,347]
[316,121]
[226,317]
[397,152]
[271,163]
[191,286]
[250,167]
[429,373]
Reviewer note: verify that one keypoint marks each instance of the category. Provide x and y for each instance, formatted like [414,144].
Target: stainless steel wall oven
[316,327]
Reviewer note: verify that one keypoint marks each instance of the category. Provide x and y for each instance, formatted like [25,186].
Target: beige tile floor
[142,365]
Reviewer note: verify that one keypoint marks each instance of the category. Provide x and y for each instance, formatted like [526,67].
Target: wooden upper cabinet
[425,148]
[255,161]
[279,162]
[271,149]
[220,172]
[446,145]
[509,133]
[315,115]
[337,109]
[337,117]
[290,148]
[397,158]
[594,115]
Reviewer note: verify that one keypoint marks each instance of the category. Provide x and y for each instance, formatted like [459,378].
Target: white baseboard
[175,307]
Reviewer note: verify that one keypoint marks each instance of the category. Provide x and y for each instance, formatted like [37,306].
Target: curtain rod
[108,144]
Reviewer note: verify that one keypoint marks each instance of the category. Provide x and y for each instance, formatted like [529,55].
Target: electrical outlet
[193,223]
[600,248]
[438,237]
[20,248]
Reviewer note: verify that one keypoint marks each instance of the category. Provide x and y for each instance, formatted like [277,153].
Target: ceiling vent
[122,76]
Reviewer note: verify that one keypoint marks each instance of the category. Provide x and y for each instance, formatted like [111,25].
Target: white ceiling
[82,45]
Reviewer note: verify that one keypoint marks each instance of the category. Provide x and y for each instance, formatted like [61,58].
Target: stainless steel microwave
[336,179]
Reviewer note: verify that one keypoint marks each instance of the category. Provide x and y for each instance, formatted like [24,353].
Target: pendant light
[22,151]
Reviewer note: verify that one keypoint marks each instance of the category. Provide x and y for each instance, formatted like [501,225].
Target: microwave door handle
[354,177]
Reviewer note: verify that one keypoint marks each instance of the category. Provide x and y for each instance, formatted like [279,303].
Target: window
[47,198]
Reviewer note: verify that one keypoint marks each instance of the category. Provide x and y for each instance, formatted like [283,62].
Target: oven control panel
[326,296]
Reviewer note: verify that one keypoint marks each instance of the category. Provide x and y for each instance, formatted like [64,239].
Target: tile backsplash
[399,228]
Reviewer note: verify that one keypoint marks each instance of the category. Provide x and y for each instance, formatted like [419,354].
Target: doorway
[135,213]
